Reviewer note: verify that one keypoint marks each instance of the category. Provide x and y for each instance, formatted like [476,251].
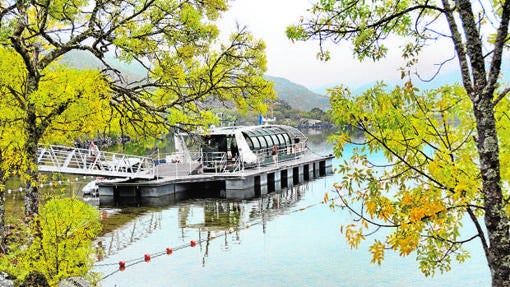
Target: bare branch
[501,38]
[459,46]
[501,96]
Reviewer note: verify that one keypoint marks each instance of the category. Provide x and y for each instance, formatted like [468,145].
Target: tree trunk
[496,219]
[31,196]
[2,209]
[30,149]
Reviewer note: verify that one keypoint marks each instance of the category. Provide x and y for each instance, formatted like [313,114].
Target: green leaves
[62,237]
[181,70]
[366,25]
[64,249]
[429,179]
[444,147]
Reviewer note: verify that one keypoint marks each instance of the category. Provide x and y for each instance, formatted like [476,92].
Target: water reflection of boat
[206,218]
[124,230]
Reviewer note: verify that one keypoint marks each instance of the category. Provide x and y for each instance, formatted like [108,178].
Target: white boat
[250,146]
[91,188]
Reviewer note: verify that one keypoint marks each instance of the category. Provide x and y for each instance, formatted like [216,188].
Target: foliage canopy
[62,246]
[444,147]
[429,180]
[174,43]
[183,69]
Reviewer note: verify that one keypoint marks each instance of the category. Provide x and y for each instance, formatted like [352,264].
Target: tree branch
[501,38]
[479,231]
[501,95]
[459,47]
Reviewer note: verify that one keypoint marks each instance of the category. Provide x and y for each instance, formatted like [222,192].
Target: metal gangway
[92,161]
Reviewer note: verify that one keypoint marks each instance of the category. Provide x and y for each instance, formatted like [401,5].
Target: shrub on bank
[57,244]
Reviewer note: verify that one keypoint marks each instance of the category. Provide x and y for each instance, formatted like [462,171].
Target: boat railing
[214,161]
[74,160]
[220,162]
[283,153]
[238,165]
[177,164]
[193,161]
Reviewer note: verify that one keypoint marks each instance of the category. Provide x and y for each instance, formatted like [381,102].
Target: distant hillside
[298,96]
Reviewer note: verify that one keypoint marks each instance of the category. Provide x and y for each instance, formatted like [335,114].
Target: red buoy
[147,257]
[193,243]
[122,265]
[169,251]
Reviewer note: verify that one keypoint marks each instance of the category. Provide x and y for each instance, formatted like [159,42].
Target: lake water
[282,239]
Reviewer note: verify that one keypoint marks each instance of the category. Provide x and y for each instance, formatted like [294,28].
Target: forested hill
[298,96]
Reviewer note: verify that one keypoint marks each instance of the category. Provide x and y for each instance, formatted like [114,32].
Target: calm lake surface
[287,238]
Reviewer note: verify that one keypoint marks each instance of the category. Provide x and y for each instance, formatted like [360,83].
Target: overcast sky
[267,19]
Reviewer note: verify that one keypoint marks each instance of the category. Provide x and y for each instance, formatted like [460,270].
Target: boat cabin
[250,146]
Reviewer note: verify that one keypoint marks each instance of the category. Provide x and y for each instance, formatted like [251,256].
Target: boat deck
[174,179]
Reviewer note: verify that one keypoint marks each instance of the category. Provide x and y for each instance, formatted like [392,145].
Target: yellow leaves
[84,97]
[353,235]
[419,204]
[65,229]
[406,200]
[386,209]
[430,172]
[379,207]
[405,239]
[461,187]
[325,198]
[377,251]
[371,207]
[408,244]
[416,214]
[187,51]
[214,7]
[408,85]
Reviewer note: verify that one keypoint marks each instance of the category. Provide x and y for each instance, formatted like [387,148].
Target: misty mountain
[296,95]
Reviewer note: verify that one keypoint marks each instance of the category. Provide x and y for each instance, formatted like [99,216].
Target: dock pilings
[241,185]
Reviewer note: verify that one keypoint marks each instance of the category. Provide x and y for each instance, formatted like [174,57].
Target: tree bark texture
[33,136]
[496,219]
[481,86]
[2,210]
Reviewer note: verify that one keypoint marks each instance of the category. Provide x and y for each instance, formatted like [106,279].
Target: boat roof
[260,130]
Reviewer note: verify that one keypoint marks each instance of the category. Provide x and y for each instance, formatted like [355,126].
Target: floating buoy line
[147,257]
[54,183]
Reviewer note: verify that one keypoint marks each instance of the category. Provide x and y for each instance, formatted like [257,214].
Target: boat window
[277,131]
[287,139]
[263,143]
[282,139]
[275,139]
[269,141]
[249,141]
[259,132]
[216,143]
[256,143]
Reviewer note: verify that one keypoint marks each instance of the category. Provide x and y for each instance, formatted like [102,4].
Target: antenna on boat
[265,120]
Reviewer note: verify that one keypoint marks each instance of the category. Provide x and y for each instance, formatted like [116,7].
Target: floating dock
[177,181]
